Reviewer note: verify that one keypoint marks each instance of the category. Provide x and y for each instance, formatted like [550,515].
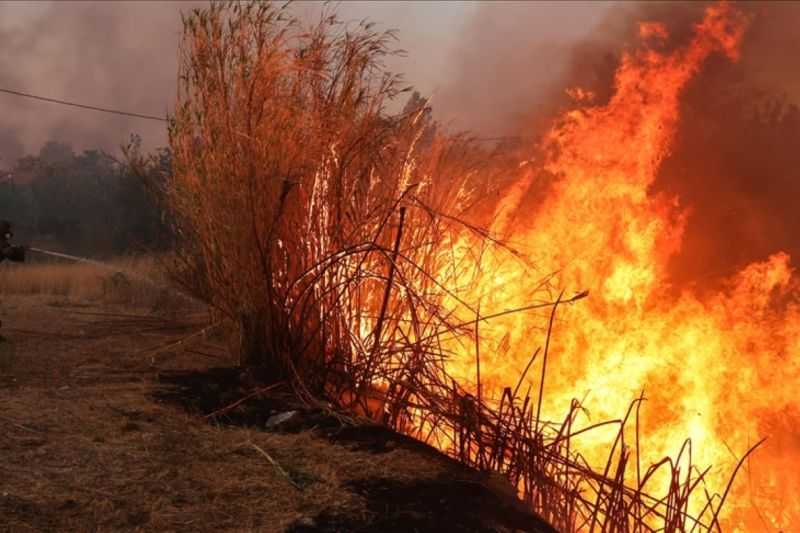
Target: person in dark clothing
[7,250]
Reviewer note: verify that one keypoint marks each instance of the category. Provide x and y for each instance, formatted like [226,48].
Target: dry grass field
[137,282]
[103,427]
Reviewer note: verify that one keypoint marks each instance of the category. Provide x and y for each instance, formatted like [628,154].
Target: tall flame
[719,369]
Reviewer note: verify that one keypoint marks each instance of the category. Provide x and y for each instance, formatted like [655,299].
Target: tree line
[87,202]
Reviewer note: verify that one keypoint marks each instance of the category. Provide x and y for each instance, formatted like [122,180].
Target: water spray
[71,257]
[106,266]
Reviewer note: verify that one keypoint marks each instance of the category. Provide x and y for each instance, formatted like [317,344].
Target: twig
[544,360]
[115,315]
[276,465]
[242,400]
[714,520]
[392,266]
[155,351]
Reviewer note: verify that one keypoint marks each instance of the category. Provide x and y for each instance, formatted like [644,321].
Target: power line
[82,106]
[162,119]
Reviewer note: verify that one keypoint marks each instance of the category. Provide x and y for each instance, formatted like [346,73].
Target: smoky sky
[117,55]
[120,55]
[510,62]
[123,55]
[497,68]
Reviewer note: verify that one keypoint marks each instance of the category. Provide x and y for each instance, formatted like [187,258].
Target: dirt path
[95,435]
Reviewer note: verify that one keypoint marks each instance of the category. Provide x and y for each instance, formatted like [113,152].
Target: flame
[718,369]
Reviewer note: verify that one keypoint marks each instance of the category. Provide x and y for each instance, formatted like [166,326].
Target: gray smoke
[471,58]
[511,60]
[110,54]
[120,55]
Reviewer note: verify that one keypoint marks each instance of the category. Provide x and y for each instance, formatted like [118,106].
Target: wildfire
[720,370]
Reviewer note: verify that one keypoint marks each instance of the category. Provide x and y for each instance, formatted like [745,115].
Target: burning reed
[333,231]
[305,211]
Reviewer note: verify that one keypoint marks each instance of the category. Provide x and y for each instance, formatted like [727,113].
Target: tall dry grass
[322,224]
[289,180]
[136,281]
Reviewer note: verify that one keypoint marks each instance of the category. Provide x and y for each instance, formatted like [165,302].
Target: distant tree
[140,222]
[89,203]
[55,153]
[16,203]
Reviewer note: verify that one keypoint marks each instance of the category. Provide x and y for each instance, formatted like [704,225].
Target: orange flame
[719,369]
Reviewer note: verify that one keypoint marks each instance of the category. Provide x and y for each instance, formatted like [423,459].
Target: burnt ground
[99,434]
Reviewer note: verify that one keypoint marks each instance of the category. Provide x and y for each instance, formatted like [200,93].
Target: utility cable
[83,106]
[161,119]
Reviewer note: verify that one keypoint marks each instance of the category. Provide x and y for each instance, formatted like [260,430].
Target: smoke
[510,63]
[11,148]
[124,55]
[119,55]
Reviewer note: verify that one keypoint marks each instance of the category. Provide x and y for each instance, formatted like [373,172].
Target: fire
[719,369]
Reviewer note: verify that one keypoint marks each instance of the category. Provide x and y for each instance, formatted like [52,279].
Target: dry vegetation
[91,440]
[136,281]
[307,213]
[319,223]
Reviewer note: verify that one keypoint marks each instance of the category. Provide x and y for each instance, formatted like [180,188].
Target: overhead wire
[83,106]
[154,117]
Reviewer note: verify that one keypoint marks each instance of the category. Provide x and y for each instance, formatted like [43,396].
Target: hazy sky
[123,55]
[493,67]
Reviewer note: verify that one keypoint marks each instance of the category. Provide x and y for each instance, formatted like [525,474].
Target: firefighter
[7,250]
